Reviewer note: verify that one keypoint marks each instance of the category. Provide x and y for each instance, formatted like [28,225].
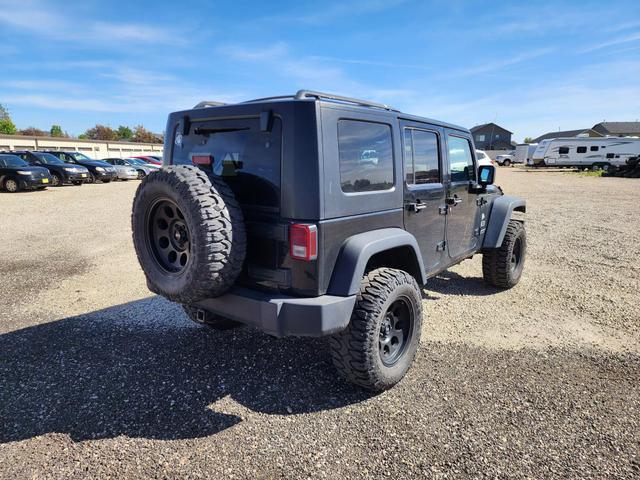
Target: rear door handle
[416,207]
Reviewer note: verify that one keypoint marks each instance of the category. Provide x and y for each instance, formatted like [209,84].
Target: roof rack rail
[301,94]
[207,103]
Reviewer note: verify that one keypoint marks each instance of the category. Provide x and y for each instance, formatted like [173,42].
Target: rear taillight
[303,241]
[202,159]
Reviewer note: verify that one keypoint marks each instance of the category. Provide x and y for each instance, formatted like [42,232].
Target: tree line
[99,132]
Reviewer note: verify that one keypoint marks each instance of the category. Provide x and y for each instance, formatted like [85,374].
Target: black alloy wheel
[516,256]
[395,329]
[168,236]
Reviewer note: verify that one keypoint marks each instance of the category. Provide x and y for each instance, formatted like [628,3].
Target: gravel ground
[98,378]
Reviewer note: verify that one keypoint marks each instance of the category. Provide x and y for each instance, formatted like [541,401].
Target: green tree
[124,133]
[7,127]
[56,131]
[528,140]
[101,132]
[4,113]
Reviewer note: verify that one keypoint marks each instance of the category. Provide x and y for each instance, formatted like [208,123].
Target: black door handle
[453,201]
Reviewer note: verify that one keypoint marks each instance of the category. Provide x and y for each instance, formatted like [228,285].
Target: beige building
[92,148]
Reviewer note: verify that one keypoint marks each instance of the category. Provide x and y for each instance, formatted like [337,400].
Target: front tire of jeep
[502,267]
[211,320]
[378,346]
[188,233]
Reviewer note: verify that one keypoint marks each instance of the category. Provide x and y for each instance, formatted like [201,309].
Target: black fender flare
[502,209]
[358,249]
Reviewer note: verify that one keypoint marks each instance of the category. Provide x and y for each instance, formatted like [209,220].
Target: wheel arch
[388,247]
[502,210]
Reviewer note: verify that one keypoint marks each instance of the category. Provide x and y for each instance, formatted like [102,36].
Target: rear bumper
[281,315]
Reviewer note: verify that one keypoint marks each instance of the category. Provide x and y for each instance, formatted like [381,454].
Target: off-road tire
[497,263]
[217,238]
[355,351]
[507,163]
[211,320]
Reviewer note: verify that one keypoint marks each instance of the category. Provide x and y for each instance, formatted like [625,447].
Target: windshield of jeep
[247,158]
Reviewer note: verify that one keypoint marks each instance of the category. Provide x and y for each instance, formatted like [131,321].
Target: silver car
[124,170]
[143,168]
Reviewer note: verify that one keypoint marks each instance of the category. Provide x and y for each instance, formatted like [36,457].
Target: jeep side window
[365,155]
[460,160]
[422,163]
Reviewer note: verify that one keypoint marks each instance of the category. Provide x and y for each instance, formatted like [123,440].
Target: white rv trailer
[524,153]
[586,151]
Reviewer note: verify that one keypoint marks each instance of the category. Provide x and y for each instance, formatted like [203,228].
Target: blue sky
[530,66]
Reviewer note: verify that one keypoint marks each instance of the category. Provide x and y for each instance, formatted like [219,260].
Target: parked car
[123,169]
[483,158]
[16,174]
[150,159]
[230,229]
[141,167]
[98,171]
[506,159]
[61,172]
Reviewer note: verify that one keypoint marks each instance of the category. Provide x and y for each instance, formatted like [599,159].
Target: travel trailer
[524,153]
[586,151]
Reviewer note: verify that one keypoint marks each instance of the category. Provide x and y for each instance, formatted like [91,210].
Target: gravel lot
[98,378]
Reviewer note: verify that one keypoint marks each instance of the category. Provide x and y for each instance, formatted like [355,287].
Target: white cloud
[634,37]
[36,18]
[500,64]
[373,63]
[319,13]
[302,71]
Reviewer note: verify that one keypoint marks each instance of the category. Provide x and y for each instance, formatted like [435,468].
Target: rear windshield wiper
[208,130]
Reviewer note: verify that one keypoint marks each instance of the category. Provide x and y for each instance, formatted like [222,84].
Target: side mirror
[486,175]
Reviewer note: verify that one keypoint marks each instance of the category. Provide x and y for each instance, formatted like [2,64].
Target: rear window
[366,156]
[248,158]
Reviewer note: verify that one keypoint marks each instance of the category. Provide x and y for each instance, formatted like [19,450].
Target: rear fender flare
[502,210]
[358,250]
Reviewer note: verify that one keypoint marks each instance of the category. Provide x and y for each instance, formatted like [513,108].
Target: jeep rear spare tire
[188,232]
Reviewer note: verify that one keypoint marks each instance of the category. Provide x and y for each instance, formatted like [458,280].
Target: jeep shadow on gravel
[316,214]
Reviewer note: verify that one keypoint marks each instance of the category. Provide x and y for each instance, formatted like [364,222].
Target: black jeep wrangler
[316,214]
